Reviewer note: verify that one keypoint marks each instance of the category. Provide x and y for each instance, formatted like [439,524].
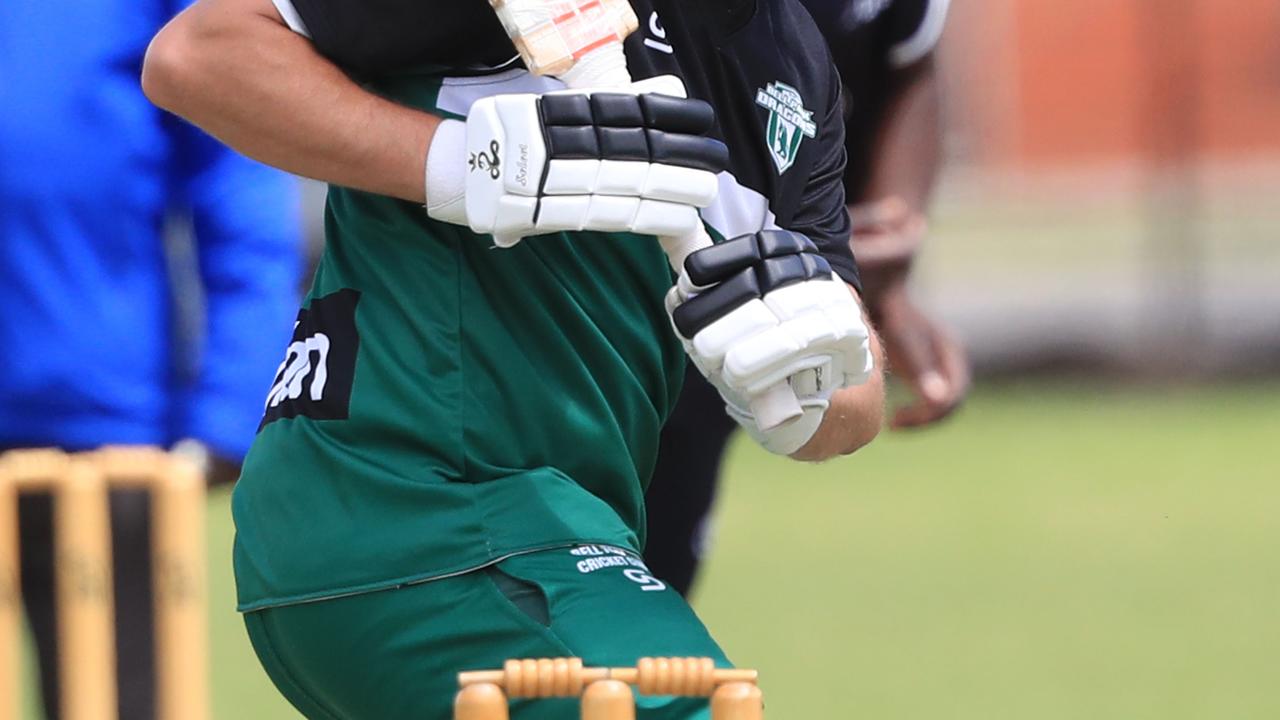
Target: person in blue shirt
[91,352]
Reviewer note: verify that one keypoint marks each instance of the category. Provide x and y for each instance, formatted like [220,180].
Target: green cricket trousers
[396,653]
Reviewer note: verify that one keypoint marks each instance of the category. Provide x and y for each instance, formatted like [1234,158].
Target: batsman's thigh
[396,653]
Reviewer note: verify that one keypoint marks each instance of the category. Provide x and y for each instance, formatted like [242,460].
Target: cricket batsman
[451,464]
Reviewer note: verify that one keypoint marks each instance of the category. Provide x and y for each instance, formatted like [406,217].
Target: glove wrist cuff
[445,182]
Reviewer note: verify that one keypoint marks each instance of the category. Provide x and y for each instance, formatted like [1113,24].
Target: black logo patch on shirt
[319,367]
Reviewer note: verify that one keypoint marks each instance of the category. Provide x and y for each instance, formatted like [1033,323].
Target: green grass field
[1055,552]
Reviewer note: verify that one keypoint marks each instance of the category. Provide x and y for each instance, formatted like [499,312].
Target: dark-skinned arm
[889,227]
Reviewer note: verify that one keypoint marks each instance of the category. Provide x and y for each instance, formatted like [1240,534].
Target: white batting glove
[766,308]
[616,161]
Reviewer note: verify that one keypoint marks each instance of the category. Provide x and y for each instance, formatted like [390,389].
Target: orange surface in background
[1049,82]
[1241,68]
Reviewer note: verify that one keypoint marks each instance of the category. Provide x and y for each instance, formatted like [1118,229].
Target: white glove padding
[766,308]
[616,161]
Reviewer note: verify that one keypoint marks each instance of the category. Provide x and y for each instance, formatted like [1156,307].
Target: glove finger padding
[817,318]
[766,308]
[604,161]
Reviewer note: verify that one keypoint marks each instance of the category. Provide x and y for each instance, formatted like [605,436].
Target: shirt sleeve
[374,36]
[247,227]
[914,28]
[822,216]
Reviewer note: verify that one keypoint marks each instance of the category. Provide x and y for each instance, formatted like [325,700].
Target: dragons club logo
[789,122]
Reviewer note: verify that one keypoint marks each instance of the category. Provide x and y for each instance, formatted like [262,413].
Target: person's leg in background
[680,495]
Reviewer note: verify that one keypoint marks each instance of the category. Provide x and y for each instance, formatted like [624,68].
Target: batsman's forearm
[234,69]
